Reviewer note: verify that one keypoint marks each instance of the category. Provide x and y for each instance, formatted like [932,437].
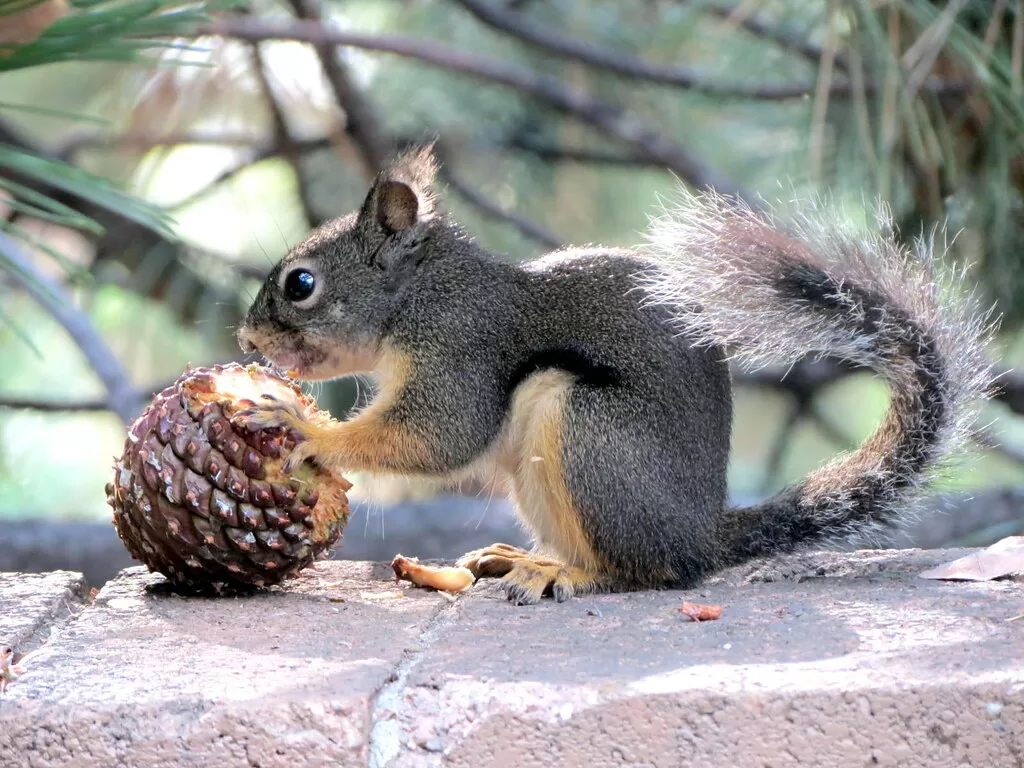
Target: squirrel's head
[324,308]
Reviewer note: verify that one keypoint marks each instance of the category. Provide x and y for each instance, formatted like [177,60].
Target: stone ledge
[823,659]
[34,604]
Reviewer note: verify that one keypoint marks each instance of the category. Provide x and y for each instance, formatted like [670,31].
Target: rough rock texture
[33,604]
[825,659]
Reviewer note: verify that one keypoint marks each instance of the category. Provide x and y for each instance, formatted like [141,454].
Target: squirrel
[597,380]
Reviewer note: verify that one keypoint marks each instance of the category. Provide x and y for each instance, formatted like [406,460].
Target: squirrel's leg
[564,562]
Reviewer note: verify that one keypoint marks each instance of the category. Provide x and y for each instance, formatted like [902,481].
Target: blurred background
[156,157]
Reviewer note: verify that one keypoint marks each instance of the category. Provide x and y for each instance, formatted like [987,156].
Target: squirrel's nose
[245,341]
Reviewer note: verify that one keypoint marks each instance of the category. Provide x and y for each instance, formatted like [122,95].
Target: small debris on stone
[381,595]
[330,584]
[699,612]
[9,671]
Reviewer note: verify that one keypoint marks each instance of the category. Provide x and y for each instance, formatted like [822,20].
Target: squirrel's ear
[397,206]
[403,194]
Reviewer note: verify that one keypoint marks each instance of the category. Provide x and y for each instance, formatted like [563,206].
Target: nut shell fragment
[444,579]
[699,612]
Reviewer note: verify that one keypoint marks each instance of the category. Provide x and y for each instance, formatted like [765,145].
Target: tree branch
[784,39]
[282,134]
[608,118]
[123,240]
[122,398]
[554,153]
[143,142]
[262,151]
[808,377]
[367,134]
[541,37]
[777,453]
[361,122]
[524,29]
[526,226]
[989,440]
[141,394]
[68,406]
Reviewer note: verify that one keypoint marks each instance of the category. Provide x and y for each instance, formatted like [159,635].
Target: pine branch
[87,405]
[362,125]
[122,398]
[608,118]
[366,131]
[557,154]
[123,240]
[526,30]
[141,142]
[283,136]
[263,151]
[522,28]
[808,377]
[783,38]
[474,197]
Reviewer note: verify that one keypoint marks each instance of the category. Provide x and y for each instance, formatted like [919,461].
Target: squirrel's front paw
[271,413]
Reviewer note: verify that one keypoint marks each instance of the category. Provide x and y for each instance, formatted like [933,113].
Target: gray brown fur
[773,292]
[647,432]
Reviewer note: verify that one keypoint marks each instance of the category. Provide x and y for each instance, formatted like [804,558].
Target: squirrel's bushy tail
[773,293]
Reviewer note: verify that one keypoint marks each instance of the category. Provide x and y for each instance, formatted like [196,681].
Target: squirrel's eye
[299,285]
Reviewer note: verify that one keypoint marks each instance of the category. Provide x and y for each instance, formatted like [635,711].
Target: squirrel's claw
[272,412]
[301,452]
[529,581]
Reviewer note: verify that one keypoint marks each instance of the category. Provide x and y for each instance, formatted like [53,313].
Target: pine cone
[204,500]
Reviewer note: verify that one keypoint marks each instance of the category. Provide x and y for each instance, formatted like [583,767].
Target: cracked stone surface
[823,659]
[146,678]
[33,603]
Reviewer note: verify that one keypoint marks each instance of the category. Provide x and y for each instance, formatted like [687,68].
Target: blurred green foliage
[114,91]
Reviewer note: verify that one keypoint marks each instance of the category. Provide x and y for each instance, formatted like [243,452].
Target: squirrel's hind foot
[525,577]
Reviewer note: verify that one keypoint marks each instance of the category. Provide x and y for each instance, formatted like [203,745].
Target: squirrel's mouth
[337,361]
[288,351]
[300,364]
[309,358]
